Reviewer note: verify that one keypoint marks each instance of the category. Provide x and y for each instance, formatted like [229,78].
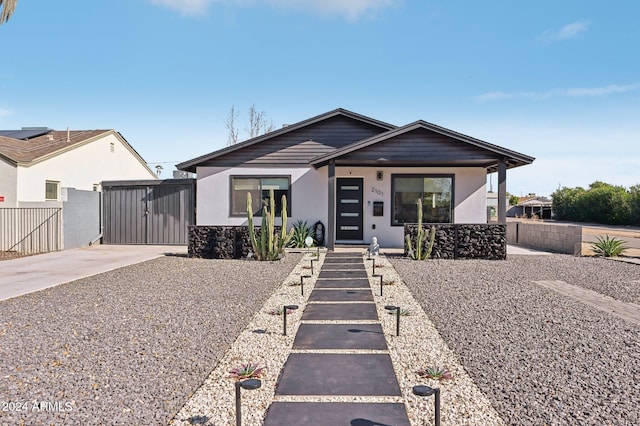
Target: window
[436,192]
[51,190]
[259,188]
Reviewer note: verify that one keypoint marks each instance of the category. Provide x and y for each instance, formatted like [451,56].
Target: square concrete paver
[340,311]
[338,374]
[341,296]
[356,283]
[343,274]
[336,414]
[341,261]
[343,267]
[340,336]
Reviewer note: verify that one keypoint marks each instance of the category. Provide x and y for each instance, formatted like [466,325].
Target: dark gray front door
[349,209]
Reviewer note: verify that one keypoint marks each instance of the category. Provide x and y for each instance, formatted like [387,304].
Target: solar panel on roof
[25,133]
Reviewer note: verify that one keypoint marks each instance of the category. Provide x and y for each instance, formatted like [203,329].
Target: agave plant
[300,233]
[246,371]
[436,372]
[608,247]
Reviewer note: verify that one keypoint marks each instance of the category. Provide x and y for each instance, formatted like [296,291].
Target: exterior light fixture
[284,317]
[312,266]
[422,390]
[302,277]
[380,283]
[374,266]
[249,384]
[397,309]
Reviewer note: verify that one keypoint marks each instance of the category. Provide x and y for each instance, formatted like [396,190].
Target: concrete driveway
[32,273]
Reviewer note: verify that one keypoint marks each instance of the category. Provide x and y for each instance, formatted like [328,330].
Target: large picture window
[435,191]
[259,188]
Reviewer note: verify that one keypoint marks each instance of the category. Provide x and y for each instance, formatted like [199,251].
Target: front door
[349,220]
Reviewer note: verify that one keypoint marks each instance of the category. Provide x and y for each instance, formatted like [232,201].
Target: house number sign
[377,191]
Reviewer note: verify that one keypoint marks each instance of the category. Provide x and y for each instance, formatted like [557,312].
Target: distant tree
[564,203]
[514,200]
[230,122]
[257,125]
[601,203]
[634,204]
[8,7]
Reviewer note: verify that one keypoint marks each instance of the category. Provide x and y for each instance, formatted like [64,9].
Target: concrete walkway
[339,356]
[32,273]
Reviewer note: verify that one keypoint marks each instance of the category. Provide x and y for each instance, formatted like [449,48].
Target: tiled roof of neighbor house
[29,150]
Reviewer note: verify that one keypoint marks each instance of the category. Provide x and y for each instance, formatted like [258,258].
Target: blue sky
[559,81]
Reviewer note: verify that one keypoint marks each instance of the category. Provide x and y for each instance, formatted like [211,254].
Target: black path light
[374,266]
[422,390]
[380,282]
[302,277]
[312,260]
[245,384]
[397,309]
[284,317]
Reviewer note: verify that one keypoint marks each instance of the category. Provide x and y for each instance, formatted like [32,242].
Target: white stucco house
[359,176]
[36,163]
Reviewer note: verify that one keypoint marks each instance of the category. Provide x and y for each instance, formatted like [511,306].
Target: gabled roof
[46,145]
[495,152]
[339,112]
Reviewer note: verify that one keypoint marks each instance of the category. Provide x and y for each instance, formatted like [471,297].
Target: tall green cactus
[421,240]
[270,246]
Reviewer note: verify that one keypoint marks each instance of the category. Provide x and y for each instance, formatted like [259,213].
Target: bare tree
[7,6]
[258,125]
[230,122]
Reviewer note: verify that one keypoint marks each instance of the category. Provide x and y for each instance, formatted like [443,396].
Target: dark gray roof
[446,148]
[284,153]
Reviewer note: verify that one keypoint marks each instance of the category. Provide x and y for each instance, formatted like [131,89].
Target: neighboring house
[532,206]
[36,163]
[359,176]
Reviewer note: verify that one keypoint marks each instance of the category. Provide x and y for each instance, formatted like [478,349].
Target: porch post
[331,220]
[502,191]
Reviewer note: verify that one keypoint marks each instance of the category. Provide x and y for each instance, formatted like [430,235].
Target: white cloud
[185,7]
[569,31]
[5,112]
[577,92]
[351,9]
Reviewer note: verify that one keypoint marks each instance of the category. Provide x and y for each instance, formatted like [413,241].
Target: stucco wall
[8,184]
[310,192]
[80,217]
[81,168]
[470,203]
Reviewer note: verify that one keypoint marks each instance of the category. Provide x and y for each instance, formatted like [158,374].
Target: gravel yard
[129,346]
[540,358]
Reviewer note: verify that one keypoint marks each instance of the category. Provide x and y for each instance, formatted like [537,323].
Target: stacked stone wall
[464,241]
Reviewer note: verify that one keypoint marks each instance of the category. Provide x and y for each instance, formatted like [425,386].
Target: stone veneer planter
[221,242]
[465,241]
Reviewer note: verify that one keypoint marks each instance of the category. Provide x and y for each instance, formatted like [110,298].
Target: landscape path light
[380,282]
[284,317]
[302,277]
[245,384]
[397,309]
[422,390]
[312,260]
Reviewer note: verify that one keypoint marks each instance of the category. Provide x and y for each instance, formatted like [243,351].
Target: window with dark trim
[435,191]
[259,187]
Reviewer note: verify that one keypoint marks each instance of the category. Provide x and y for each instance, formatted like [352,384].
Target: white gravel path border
[418,346]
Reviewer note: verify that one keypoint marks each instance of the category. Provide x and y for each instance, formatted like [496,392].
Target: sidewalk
[32,273]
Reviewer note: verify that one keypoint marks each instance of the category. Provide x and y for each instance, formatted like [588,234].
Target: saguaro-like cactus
[270,246]
[420,253]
